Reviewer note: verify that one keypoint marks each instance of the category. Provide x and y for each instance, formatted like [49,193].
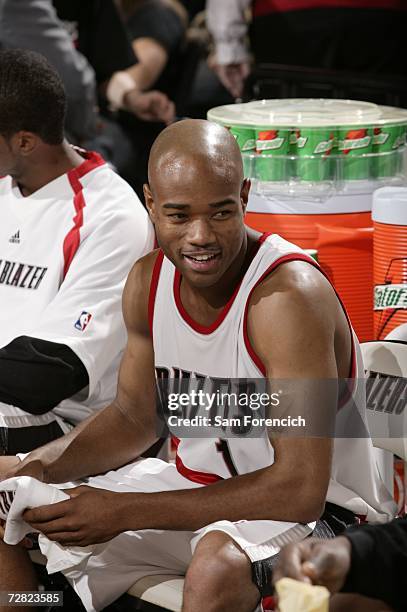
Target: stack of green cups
[245,138]
[355,144]
[273,148]
[388,141]
[313,147]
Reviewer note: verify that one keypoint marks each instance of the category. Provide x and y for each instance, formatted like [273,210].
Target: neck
[50,162]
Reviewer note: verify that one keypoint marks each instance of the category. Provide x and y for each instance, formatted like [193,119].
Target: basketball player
[70,231]
[217,301]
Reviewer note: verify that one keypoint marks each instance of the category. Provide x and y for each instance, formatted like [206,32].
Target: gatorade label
[380,138]
[249,145]
[324,146]
[400,141]
[390,297]
[354,139]
[269,141]
[244,137]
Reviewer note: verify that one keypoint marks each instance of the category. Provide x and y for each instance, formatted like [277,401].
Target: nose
[200,233]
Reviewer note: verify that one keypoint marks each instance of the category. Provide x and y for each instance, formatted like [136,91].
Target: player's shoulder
[296,279]
[137,292]
[296,296]
[142,271]
[105,190]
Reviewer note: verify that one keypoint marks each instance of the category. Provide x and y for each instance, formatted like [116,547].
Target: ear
[148,196]
[244,193]
[24,143]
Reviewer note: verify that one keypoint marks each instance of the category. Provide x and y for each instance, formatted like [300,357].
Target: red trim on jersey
[209,329]
[265,7]
[92,160]
[153,289]
[72,239]
[263,238]
[292,257]
[204,478]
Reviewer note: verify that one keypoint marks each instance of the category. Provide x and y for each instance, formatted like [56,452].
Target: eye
[222,214]
[177,216]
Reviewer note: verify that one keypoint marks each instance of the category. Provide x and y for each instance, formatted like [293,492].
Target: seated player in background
[71,229]
[217,301]
[370,560]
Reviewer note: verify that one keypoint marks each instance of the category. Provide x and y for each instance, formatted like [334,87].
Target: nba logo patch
[83,321]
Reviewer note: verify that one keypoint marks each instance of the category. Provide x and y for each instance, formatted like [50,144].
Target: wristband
[119,85]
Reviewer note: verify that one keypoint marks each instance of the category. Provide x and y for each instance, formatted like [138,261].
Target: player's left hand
[90,517]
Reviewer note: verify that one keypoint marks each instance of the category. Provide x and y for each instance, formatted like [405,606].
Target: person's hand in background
[150,105]
[322,562]
[233,76]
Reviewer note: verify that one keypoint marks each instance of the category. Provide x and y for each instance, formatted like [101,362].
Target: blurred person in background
[193,7]
[50,38]
[157,31]
[353,35]
[88,45]
[369,560]
[99,33]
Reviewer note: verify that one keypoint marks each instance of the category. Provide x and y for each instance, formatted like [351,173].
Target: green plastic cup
[273,148]
[313,147]
[388,141]
[355,144]
[246,139]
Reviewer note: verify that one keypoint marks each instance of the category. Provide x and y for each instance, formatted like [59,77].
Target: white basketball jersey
[223,350]
[65,252]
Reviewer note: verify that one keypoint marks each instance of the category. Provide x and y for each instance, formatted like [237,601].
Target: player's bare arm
[294,307]
[126,428]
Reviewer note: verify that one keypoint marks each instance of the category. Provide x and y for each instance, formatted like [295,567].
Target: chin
[201,281]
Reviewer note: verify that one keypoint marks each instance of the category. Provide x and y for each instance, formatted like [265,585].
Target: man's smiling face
[198,218]
[197,200]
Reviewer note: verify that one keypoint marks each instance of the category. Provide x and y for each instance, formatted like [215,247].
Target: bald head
[196,148]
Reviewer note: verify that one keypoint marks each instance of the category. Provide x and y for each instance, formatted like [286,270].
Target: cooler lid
[390,205]
[310,112]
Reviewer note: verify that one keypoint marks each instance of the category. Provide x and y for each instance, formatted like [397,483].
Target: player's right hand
[322,562]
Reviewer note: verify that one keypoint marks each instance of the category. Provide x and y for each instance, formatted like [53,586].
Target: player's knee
[219,573]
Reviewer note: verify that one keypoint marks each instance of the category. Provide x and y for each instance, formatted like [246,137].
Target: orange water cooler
[340,228]
[390,260]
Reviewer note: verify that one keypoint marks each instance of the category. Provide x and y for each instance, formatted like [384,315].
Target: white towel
[19,494]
